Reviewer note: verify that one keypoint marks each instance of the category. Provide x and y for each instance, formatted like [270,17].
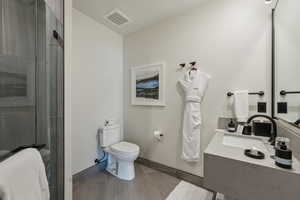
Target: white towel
[187,191]
[241,105]
[23,177]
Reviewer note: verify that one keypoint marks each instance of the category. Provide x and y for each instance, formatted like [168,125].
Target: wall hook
[193,63]
[182,65]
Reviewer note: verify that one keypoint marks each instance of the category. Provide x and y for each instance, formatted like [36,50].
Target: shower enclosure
[31,83]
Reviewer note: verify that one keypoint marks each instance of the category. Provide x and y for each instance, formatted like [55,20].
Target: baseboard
[197,180]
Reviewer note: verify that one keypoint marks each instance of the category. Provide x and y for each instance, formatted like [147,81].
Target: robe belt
[193,100]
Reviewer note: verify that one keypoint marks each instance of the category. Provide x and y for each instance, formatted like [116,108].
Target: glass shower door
[17,74]
[31,83]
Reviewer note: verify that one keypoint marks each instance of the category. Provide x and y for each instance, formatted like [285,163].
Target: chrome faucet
[274,127]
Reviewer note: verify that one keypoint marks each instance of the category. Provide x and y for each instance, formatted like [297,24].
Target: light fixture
[268,1]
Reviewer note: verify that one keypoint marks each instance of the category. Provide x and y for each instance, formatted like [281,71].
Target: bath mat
[187,191]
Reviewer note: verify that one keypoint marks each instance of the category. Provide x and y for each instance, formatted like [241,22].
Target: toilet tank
[109,135]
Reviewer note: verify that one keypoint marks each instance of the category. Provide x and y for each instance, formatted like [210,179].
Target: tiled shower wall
[17,57]
[18,123]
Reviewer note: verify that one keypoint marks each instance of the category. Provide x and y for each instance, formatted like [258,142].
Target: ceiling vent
[117,18]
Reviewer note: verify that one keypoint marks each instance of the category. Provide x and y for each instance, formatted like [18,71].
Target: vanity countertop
[228,171]
[217,148]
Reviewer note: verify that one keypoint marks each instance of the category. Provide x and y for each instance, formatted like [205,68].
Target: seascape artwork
[148,85]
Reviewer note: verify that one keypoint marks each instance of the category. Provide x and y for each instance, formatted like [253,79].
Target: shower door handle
[58,38]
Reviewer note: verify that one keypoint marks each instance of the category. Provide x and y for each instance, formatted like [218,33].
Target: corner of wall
[67,132]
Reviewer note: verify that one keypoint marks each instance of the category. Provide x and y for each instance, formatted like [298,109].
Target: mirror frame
[273,71]
[273,66]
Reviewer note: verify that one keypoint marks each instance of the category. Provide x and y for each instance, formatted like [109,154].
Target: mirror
[287,61]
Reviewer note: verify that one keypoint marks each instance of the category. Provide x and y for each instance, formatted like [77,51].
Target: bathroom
[154,100]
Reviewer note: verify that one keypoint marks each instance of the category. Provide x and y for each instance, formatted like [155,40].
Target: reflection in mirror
[287,39]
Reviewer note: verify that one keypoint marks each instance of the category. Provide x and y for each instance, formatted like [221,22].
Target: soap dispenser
[231,127]
[283,156]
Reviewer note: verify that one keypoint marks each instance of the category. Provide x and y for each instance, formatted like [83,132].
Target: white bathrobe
[194,84]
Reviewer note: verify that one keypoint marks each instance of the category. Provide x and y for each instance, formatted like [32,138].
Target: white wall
[97,77]
[230,41]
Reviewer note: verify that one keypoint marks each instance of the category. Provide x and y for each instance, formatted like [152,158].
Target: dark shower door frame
[55,122]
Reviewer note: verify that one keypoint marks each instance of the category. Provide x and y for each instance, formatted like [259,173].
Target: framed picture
[148,85]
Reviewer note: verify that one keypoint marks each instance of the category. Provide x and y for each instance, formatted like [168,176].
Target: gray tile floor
[149,184]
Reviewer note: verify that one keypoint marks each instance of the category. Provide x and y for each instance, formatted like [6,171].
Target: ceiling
[141,12]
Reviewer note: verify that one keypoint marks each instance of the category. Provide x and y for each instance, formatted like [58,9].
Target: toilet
[121,154]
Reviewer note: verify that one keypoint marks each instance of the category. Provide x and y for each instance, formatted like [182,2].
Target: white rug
[187,191]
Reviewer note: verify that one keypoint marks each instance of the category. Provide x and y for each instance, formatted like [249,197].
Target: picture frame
[148,85]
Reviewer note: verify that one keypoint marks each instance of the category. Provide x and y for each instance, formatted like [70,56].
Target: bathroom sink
[243,142]
[228,171]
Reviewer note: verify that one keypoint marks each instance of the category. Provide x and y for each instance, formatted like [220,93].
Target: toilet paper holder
[158,135]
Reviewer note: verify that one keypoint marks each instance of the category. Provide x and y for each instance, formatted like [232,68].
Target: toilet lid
[125,147]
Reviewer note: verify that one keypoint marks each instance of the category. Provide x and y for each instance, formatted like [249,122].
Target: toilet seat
[125,148]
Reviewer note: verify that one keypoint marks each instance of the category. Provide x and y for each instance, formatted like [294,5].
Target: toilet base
[122,169]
